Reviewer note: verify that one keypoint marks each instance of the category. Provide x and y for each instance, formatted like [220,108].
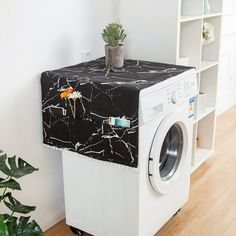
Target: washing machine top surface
[135,73]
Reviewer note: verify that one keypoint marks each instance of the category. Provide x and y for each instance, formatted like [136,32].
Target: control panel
[169,97]
[181,91]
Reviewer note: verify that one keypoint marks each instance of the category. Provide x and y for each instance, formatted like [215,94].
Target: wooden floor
[211,209]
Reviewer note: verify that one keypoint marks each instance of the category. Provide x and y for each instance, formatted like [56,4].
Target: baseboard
[49,222]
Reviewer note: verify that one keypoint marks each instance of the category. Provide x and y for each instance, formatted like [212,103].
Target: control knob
[174,98]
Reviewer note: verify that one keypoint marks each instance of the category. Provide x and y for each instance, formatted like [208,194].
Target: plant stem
[11,215]
[5,189]
[4,192]
[71,107]
[74,108]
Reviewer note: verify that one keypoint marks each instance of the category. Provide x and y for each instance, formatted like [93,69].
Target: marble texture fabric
[91,114]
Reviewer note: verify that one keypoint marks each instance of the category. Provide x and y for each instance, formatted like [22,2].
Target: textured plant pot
[116,55]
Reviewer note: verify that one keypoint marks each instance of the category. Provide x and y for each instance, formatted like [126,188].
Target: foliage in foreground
[10,225]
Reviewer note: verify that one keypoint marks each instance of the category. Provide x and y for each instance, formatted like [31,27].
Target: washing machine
[113,200]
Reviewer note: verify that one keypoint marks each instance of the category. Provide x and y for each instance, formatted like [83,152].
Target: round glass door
[169,156]
[171,152]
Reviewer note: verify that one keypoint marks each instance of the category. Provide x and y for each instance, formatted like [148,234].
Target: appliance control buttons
[174,97]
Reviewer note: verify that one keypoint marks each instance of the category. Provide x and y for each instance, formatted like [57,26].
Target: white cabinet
[171,32]
[227,73]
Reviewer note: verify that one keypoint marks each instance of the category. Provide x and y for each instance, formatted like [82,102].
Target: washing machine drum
[168,155]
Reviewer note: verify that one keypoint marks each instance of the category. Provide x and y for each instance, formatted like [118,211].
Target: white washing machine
[110,200]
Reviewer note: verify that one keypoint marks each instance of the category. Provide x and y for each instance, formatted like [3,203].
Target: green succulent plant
[114,34]
[10,225]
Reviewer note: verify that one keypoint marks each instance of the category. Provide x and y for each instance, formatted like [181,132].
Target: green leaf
[113,41]
[26,228]
[22,223]
[6,217]
[105,32]
[105,38]
[3,166]
[22,227]
[122,32]
[123,37]
[3,227]
[15,168]
[10,183]
[11,224]
[16,206]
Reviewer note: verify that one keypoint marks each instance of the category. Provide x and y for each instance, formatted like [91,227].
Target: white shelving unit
[166,31]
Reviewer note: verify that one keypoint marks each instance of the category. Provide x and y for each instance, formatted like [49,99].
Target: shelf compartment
[206,112]
[191,8]
[204,135]
[216,6]
[206,132]
[210,52]
[201,155]
[190,42]
[208,85]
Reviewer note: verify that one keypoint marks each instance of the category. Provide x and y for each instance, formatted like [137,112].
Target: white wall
[227,71]
[36,36]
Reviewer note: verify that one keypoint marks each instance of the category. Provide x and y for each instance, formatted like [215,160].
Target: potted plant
[10,224]
[114,36]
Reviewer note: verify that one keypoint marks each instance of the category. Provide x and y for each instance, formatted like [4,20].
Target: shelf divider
[212,15]
[205,65]
[190,18]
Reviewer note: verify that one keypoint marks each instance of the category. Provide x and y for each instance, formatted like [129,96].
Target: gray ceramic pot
[115,54]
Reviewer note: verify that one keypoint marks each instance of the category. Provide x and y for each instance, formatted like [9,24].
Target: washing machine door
[169,152]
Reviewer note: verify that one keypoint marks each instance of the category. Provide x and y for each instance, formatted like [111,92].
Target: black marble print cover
[86,112]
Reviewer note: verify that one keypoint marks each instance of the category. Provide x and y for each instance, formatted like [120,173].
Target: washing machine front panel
[169,152]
